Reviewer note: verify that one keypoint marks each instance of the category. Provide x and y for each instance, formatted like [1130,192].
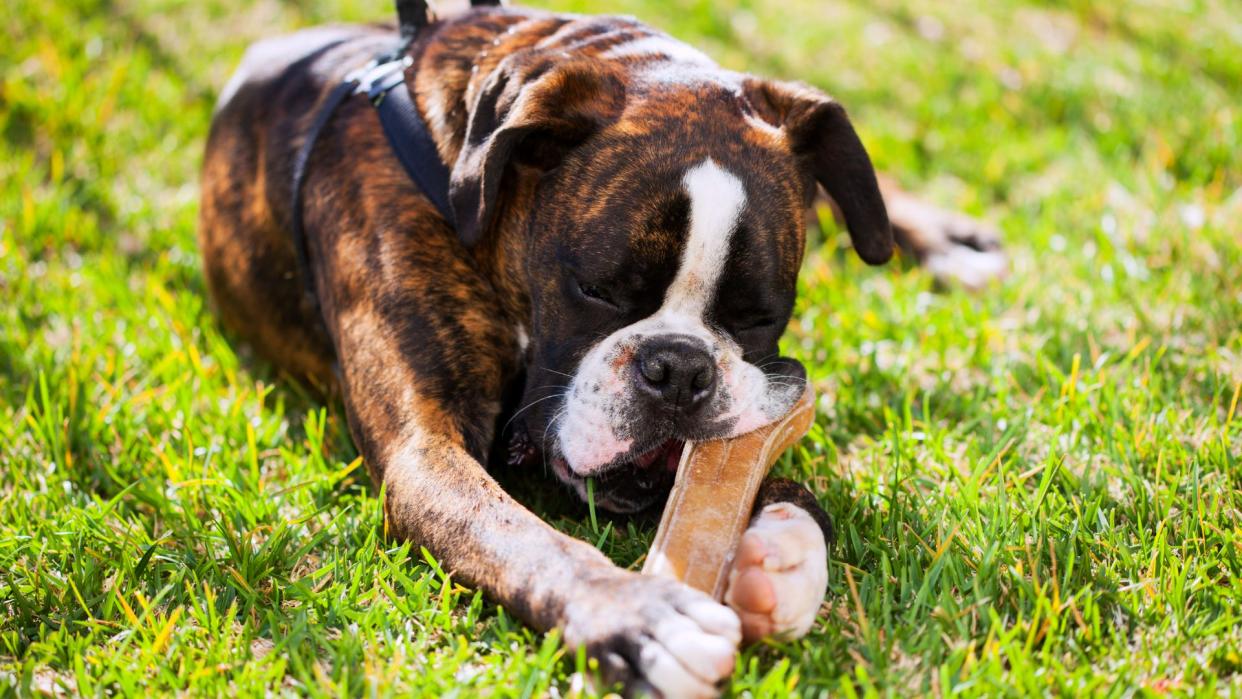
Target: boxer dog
[630,221]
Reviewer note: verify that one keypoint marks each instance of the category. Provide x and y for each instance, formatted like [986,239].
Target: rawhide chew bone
[712,497]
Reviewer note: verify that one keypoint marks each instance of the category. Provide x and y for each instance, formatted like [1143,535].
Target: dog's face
[662,256]
[659,294]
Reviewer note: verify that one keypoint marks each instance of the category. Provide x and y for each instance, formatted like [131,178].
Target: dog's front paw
[780,574]
[654,635]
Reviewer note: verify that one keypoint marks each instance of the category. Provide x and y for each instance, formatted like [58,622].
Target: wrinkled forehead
[640,192]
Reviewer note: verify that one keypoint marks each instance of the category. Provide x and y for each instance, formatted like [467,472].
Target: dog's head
[661,250]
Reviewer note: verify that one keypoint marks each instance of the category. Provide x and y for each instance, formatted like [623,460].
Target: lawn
[1038,488]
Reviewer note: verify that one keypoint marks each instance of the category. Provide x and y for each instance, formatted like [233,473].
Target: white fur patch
[685,642]
[684,64]
[680,73]
[796,565]
[717,198]
[659,46]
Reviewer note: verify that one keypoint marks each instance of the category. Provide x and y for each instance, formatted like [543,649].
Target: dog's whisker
[544,438]
[533,403]
[763,362]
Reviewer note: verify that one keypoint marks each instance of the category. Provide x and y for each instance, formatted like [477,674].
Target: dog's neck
[451,66]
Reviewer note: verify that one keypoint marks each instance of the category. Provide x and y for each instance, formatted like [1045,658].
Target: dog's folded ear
[528,114]
[821,135]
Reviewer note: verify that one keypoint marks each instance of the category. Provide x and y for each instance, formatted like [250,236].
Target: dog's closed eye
[597,294]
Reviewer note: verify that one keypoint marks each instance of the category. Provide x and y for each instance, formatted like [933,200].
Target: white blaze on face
[716,201]
[592,431]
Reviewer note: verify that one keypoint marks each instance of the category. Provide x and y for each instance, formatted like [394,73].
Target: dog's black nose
[676,370]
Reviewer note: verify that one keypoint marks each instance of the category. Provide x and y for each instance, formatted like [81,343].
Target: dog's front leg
[413,429]
[645,632]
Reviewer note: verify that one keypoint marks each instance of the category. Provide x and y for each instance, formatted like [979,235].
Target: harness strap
[384,85]
[326,110]
[408,135]
[404,128]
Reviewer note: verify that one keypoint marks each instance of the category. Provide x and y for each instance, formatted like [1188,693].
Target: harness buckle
[375,79]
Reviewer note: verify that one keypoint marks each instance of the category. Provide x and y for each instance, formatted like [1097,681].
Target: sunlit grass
[1036,489]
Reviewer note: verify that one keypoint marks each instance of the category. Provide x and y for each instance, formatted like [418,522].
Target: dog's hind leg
[956,248]
[254,283]
[249,259]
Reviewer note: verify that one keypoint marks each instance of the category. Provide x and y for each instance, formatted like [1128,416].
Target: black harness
[383,82]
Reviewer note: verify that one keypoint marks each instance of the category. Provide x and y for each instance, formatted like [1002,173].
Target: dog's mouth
[632,483]
[664,456]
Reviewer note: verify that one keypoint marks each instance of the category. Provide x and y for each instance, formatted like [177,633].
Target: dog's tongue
[673,458]
[667,455]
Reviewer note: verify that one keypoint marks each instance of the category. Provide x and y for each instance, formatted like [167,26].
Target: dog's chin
[631,483]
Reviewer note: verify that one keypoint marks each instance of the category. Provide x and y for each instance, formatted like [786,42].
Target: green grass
[1038,489]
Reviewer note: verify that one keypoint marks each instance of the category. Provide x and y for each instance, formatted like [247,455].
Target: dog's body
[629,227]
